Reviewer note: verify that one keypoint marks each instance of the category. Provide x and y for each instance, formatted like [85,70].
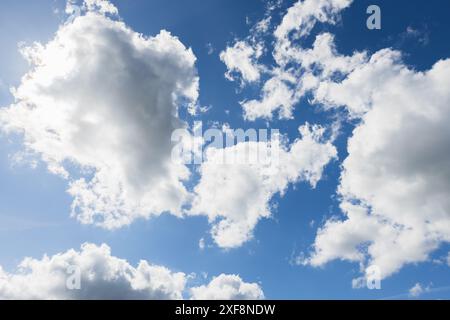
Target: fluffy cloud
[235,196]
[396,179]
[103,276]
[228,287]
[241,58]
[99,106]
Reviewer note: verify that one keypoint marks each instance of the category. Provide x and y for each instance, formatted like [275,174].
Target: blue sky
[35,207]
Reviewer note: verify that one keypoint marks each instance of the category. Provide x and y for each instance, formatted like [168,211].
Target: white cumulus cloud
[98,106]
[241,58]
[396,178]
[103,276]
[94,273]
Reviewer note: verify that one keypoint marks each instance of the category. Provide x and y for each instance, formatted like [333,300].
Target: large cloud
[102,100]
[396,179]
[227,287]
[236,195]
[104,276]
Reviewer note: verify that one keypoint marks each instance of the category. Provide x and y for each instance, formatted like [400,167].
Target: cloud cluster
[394,183]
[99,106]
[104,276]
[290,77]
